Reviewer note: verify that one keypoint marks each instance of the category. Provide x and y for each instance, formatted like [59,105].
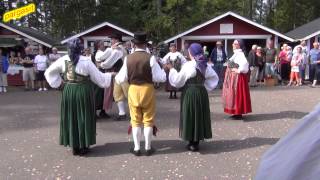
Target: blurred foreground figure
[297,155]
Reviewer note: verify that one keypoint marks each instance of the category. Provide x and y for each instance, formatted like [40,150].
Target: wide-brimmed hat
[116,35]
[140,38]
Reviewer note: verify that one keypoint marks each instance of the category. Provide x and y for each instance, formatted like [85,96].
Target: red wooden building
[227,27]
[100,32]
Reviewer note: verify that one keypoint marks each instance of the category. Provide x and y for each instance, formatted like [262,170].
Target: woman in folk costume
[236,94]
[141,70]
[196,78]
[295,156]
[176,59]
[77,123]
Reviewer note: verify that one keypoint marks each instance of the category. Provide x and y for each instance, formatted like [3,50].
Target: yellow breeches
[120,91]
[141,100]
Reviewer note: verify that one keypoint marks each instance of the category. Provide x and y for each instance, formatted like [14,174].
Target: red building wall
[4,31]
[105,31]
[239,28]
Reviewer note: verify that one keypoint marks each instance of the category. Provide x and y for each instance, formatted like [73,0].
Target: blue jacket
[213,56]
[5,64]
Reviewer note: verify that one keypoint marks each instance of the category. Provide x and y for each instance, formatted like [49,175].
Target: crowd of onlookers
[33,65]
[289,66]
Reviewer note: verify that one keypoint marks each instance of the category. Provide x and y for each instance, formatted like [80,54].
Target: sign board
[226,28]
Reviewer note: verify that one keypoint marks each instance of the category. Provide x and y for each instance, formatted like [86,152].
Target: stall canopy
[12,35]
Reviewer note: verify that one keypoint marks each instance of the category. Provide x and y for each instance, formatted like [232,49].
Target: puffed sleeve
[102,55]
[122,76]
[183,59]
[103,80]
[164,60]
[115,55]
[158,74]
[52,74]
[243,63]
[178,79]
[212,79]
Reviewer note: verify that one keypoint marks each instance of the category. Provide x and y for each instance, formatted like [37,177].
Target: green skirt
[195,122]
[99,94]
[78,123]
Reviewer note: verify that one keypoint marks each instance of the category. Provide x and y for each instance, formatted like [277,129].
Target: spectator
[218,57]
[303,68]
[295,63]
[28,71]
[87,52]
[260,61]
[13,59]
[314,63]
[41,63]
[4,65]
[205,52]
[19,58]
[54,55]
[254,69]
[271,56]
[284,64]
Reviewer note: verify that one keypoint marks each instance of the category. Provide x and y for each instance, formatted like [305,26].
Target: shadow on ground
[275,116]
[177,146]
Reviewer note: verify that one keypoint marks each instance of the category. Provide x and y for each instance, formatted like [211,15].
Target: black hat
[140,38]
[116,35]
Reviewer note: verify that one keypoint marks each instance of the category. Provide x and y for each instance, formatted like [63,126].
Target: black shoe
[83,151]
[121,118]
[194,147]
[136,153]
[237,117]
[103,114]
[75,151]
[150,151]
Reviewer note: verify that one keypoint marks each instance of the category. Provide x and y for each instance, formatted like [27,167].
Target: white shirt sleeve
[122,75]
[182,58]
[158,74]
[165,58]
[111,58]
[243,63]
[212,79]
[52,74]
[178,79]
[103,80]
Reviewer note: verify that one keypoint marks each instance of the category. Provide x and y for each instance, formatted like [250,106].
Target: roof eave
[234,15]
[95,28]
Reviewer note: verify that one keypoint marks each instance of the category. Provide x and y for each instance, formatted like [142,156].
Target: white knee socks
[121,108]
[147,131]
[136,133]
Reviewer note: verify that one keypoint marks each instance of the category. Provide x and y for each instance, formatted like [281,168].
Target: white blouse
[158,74]
[108,57]
[173,57]
[84,67]
[188,70]
[239,58]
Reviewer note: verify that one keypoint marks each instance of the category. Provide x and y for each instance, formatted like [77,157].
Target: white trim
[316,38]
[234,15]
[276,42]
[311,35]
[225,45]
[9,36]
[227,37]
[308,44]
[25,35]
[97,27]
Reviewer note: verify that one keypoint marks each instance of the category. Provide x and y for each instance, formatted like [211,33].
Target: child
[41,63]
[295,63]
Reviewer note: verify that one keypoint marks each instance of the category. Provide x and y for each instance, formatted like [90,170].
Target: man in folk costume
[112,60]
[236,94]
[141,70]
[176,59]
[102,104]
